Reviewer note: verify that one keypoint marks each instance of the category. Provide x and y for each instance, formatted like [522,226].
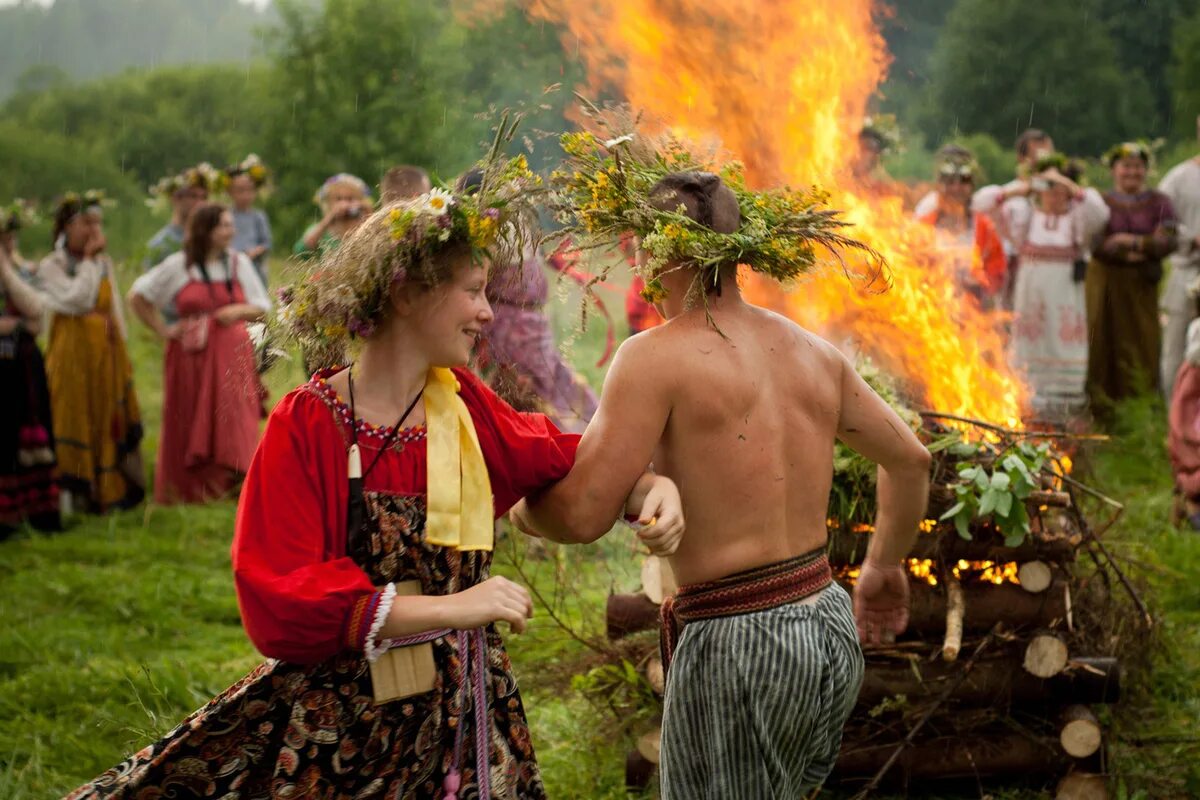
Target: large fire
[784,86]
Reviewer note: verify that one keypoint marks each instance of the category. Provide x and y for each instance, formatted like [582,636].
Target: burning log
[952,757]
[1082,786]
[1035,576]
[1081,734]
[1045,656]
[629,613]
[954,620]
[846,547]
[987,604]
[992,682]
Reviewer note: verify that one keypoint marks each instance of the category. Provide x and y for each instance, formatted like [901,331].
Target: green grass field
[115,630]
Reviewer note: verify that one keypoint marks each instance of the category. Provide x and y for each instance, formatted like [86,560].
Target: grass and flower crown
[346,293]
[1140,149]
[16,215]
[1071,168]
[251,166]
[72,204]
[202,176]
[884,130]
[606,188]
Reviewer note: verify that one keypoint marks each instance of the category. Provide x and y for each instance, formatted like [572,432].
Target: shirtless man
[744,419]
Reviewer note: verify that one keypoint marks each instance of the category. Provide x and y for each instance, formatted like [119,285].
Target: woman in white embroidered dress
[1052,235]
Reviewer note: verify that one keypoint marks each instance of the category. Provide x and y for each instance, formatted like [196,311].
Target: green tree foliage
[154,122]
[90,38]
[1003,65]
[1185,78]
[367,85]
[911,28]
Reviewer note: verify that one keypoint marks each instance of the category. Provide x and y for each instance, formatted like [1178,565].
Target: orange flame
[784,87]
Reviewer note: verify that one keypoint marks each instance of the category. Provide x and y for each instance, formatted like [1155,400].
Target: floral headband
[91,201]
[1139,149]
[602,192]
[202,176]
[341,178]
[251,166]
[884,130]
[346,294]
[16,215]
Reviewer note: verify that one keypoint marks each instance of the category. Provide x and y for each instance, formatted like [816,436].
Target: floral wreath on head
[883,129]
[16,215]
[251,166]
[1140,149]
[80,202]
[346,294]
[602,192]
[1071,168]
[343,178]
[955,161]
[202,176]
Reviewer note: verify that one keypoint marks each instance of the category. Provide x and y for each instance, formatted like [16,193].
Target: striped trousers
[756,703]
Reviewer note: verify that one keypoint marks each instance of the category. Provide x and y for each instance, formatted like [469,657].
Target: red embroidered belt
[757,589]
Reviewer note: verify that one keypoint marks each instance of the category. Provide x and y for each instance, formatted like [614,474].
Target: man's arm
[872,428]
[615,450]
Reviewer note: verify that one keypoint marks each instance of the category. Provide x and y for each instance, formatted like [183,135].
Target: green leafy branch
[998,494]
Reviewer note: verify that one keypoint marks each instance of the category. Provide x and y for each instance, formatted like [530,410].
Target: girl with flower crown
[364,539]
[212,397]
[96,415]
[244,182]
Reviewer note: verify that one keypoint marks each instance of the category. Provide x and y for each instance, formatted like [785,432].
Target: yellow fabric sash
[459,493]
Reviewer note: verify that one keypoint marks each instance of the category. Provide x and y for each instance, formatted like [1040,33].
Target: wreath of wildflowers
[1072,168]
[346,293]
[601,192]
[1140,149]
[884,130]
[251,166]
[16,215]
[202,176]
[79,202]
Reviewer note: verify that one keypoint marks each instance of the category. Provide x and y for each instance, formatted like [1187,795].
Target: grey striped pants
[756,703]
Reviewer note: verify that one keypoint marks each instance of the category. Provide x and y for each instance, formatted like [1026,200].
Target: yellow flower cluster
[482,231]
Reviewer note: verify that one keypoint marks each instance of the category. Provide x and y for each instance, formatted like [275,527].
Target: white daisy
[437,202]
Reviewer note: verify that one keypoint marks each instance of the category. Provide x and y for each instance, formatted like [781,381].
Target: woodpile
[1000,674]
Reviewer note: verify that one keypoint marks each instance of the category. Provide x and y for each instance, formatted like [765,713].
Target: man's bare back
[749,437]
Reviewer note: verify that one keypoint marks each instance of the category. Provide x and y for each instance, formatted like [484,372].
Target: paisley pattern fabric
[313,731]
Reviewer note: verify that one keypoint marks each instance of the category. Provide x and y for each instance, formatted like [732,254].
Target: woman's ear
[402,297]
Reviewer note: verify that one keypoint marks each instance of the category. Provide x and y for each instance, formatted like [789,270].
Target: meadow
[117,628]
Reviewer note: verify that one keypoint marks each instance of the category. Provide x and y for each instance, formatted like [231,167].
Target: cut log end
[955,607]
[1081,735]
[655,676]
[658,580]
[1046,655]
[1035,576]
[649,745]
[1082,786]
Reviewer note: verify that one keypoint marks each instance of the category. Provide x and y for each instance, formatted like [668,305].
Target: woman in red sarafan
[386,473]
[212,396]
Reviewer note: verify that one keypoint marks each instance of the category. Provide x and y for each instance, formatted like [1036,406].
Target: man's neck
[688,296]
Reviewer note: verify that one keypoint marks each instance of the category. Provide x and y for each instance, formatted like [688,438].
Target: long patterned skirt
[314,731]
[28,484]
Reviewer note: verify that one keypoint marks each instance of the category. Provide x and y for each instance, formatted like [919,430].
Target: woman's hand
[495,600]
[9,324]
[661,517]
[227,315]
[172,331]
[95,245]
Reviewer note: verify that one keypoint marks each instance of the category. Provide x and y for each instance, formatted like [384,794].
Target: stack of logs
[996,678]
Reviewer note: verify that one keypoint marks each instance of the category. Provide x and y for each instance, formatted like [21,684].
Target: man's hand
[881,602]
[661,517]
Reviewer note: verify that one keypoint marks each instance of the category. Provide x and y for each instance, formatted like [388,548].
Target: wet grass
[115,630]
